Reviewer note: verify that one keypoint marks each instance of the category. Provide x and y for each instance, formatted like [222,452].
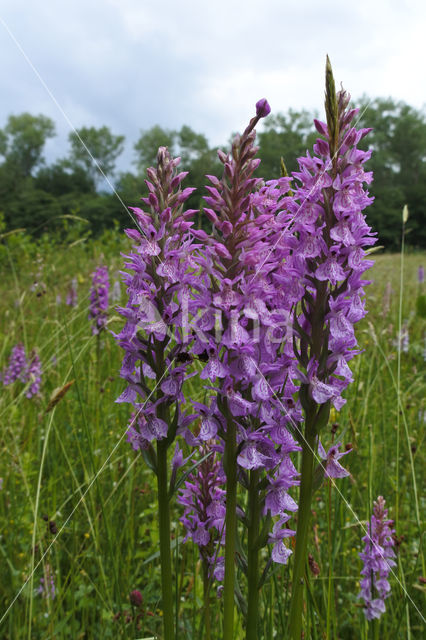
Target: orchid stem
[231,529]
[164,527]
[253,557]
[206,595]
[303,518]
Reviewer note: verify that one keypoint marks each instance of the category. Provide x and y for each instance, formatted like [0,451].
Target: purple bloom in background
[47,587]
[203,499]
[98,311]
[116,291]
[71,299]
[421,274]
[377,557]
[402,342]
[17,368]
[26,371]
[33,375]
[136,598]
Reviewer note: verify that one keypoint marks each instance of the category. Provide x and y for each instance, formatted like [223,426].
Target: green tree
[288,136]
[398,143]
[147,145]
[199,160]
[58,179]
[191,145]
[22,142]
[104,148]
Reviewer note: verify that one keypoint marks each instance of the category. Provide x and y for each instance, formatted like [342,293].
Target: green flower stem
[253,557]
[303,518]
[206,596]
[231,528]
[164,527]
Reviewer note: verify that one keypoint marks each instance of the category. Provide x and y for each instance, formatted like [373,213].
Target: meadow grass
[77,503]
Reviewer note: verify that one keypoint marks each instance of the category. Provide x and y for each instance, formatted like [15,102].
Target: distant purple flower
[98,311]
[116,291]
[402,342]
[47,587]
[421,274]
[203,498]
[377,557]
[33,375]
[71,299]
[136,598]
[17,368]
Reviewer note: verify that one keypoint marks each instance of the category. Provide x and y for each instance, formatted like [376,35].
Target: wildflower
[333,468]
[116,291]
[158,286]
[99,299]
[71,299]
[326,263]
[421,274]
[136,598]
[47,587]
[328,257]
[203,498]
[33,375]
[402,341]
[243,359]
[377,557]
[17,369]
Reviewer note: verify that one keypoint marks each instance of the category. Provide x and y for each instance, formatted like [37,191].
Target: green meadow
[78,505]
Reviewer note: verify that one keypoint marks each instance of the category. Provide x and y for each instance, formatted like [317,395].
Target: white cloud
[132,64]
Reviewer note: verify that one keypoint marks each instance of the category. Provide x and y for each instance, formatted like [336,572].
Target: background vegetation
[35,196]
[77,505]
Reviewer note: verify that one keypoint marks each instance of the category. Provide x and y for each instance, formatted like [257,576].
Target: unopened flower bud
[262,108]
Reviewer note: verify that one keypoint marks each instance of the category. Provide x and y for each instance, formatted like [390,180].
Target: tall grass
[72,467]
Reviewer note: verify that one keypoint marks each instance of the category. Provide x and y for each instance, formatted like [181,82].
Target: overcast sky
[131,64]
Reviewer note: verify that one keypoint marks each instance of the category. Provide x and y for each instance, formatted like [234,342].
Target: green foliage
[146,146]
[398,142]
[284,135]
[22,142]
[34,196]
[421,306]
[94,150]
[58,180]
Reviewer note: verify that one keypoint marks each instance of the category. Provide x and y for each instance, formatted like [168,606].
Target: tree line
[36,196]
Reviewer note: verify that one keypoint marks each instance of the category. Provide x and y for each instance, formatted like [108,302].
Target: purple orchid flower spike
[378,561]
[99,291]
[17,368]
